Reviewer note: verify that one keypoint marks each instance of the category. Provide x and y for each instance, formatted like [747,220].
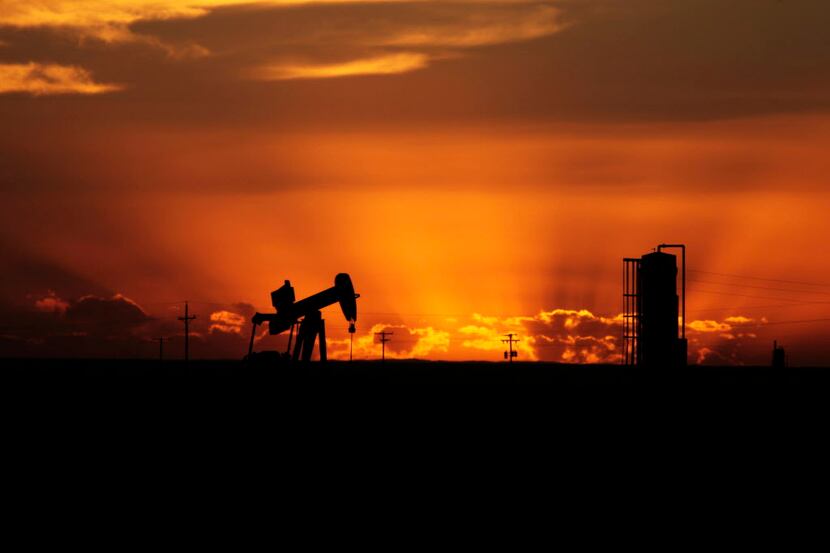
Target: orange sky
[478,168]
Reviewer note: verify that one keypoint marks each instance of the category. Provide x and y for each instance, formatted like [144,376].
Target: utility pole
[187,318]
[161,347]
[510,341]
[383,339]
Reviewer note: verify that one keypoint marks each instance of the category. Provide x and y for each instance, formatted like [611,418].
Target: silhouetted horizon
[478,169]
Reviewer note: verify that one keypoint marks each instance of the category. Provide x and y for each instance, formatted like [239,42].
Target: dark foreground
[424,379]
[543,401]
[412,371]
[424,418]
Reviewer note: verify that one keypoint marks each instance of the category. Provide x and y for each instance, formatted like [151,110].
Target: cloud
[287,39]
[96,326]
[29,276]
[563,335]
[556,335]
[116,313]
[107,20]
[483,27]
[51,304]
[43,79]
[723,342]
[580,336]
[406,343]
[726,325]
[597,60]
[114,20]
[380,65]
[227,321]
[708,326]
[89,326]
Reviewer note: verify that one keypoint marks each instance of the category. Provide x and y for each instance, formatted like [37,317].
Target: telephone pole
[510,341]
[187,318]
[161,347]
[383,339]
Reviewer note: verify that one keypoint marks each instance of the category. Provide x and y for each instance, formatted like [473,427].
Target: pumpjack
[306,315]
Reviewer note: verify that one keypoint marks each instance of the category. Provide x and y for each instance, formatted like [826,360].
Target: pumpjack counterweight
[306,316]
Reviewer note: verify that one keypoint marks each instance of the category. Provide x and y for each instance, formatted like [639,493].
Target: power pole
[383,339]
[161,348]
[510,341]
[187,318]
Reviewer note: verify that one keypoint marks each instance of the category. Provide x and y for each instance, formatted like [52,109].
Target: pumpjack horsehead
[306,314]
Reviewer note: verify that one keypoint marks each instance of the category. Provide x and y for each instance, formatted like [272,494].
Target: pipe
[683,277]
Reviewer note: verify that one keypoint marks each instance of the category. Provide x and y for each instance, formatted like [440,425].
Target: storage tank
[658,308]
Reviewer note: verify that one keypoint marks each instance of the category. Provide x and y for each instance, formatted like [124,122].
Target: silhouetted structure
[510,354]
[187,318]
[288,315]
[650,310]
[631,278]
[779,356]
[161,348]
[383,339]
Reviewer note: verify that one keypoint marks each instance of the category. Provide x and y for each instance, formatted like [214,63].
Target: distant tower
[651,310]
[779,356]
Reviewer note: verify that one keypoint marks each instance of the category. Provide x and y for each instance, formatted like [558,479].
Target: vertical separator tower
[681,347]
[651,310]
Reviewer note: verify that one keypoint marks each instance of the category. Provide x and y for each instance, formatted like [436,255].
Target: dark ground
[449,399]
[486,386]
[584,437]
[433,373]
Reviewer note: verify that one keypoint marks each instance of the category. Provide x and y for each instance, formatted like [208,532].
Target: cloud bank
[41,79]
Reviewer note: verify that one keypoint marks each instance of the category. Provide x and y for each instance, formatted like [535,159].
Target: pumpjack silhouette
[305,314]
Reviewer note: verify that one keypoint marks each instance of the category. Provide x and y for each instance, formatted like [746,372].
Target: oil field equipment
[305,314]
[650,309]
[779,356]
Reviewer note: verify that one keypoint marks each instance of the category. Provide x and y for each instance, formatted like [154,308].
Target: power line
[794,304]
[794,301]
[794,322]
[383,339]
[743,285]
[510,341]
[760,278]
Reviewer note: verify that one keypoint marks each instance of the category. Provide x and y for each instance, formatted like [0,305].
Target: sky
[478,167]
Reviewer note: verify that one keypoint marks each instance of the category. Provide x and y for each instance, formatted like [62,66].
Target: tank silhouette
[651,310]
[779,356]
[305,313]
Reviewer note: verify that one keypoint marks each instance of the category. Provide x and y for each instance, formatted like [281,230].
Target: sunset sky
[478,167]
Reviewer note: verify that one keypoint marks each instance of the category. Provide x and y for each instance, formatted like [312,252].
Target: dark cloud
[28,275]
[614,61]
[93,326]
[116,312]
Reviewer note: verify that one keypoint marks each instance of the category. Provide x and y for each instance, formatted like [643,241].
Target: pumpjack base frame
[311,327]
